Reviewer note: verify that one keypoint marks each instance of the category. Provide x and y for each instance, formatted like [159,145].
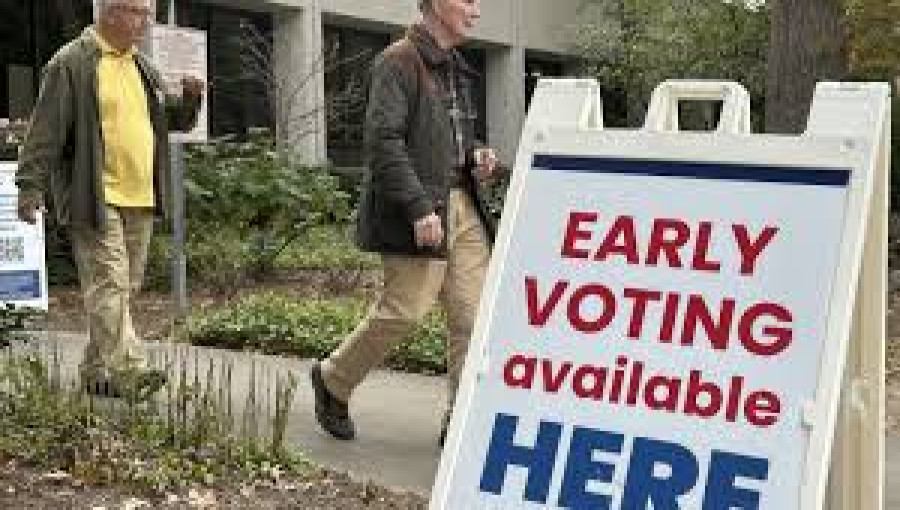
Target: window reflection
[30,33]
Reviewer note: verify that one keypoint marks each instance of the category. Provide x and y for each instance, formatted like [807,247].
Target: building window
[347,56]
[239,92]
[32,31]
[475,57]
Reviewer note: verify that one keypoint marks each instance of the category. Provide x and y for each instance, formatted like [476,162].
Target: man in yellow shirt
[99,130]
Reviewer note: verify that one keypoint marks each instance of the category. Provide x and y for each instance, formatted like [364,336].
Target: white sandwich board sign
[177,52]
[23,269]
[667,314]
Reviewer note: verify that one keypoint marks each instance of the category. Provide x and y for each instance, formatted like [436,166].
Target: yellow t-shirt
[126,128]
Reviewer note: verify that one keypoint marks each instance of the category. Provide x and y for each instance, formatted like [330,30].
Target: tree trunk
[808,44]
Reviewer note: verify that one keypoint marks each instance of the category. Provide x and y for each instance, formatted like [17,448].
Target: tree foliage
[874,33]
[874,55]
[633,45]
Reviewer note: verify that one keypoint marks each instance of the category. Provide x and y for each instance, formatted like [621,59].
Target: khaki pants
[111,268]
[411,287]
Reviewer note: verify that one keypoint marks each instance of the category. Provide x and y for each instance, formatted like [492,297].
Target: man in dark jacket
[99,135]
[421,207]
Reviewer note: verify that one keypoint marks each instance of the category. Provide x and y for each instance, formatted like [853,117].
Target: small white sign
[23,270]
[176,52]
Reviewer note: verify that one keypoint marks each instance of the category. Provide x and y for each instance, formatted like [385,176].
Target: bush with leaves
[633,45]
[260,194]
[218,261]
[874,39]
[16,322]
[275,324]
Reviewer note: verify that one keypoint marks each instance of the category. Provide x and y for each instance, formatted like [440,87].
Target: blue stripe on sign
[20,285]
[694,170]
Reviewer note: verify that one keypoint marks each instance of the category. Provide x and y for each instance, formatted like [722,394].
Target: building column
[299,87]
[505,97]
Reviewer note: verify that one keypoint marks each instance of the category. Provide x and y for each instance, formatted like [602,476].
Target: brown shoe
[331,413]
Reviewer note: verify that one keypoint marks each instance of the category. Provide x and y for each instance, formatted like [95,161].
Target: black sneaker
[332,414]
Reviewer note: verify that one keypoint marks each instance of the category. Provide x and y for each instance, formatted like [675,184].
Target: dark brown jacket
[64,142]
[410,147]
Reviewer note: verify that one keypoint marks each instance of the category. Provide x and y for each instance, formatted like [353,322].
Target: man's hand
[192,86]
[29,204]
[429,231]
[486,163]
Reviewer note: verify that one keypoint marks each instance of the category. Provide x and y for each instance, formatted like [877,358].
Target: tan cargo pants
[411,287]
[111,269]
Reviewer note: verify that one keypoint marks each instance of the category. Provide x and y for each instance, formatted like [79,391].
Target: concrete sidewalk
[398,416]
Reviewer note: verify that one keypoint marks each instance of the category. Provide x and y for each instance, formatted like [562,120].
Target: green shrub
[218,259]
[275,324]
[267,198]
[325,247]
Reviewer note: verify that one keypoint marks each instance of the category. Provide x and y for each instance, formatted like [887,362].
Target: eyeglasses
[138,12]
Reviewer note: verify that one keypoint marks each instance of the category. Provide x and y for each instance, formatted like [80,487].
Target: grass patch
[220,259]
[274,324]
[326,247]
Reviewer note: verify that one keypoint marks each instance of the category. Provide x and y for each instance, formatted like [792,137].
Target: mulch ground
[25,488]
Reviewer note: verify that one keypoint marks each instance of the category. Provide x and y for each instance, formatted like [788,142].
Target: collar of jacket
[433,54]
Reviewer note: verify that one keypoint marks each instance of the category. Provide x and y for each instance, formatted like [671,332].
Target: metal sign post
[179,260]
[179,51]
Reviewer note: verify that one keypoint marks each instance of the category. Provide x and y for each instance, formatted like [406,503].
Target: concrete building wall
[538,25]
[500,21]
[505,69]
[547,25]
[300,83]
[508,30]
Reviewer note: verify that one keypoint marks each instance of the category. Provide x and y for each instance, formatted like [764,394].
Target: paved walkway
[397,415]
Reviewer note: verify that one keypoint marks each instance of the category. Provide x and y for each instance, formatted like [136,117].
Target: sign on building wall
[176,52]
[23,271]
[665,319]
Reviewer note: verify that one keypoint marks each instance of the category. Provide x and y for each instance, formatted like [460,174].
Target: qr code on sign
[12,249]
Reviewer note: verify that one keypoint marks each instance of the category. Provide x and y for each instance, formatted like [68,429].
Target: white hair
[102,5]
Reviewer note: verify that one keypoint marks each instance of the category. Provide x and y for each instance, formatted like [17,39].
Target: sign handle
[663,112]
[566,102]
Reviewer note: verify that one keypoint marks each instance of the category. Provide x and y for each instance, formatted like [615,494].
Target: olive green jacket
[410,148]
[63,145]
